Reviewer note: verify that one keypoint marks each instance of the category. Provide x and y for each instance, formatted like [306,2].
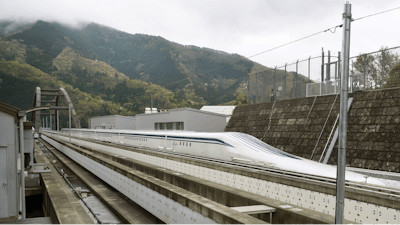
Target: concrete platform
[59,203]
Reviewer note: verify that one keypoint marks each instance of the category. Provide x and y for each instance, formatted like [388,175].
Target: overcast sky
[245,27]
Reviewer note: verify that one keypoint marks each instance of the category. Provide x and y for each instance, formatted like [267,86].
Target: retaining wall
[297,126]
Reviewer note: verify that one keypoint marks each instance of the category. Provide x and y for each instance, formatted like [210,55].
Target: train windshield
[253,143]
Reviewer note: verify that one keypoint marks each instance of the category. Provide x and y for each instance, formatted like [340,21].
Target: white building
[112,122]
[187,119]
[226,110]
[9,148]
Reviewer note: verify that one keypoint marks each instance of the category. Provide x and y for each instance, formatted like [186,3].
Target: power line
[308,36]
[376,14]
[329,29]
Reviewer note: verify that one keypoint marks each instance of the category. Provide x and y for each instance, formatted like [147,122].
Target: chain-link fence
[376,70]
[320,75]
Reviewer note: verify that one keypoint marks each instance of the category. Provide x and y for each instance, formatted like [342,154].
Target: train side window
[190,144]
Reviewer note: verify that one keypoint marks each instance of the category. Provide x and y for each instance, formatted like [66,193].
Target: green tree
[394,77]
[375,67]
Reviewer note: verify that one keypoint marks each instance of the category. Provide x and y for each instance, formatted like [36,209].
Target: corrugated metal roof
[127,117]
[221,109]
[182,109]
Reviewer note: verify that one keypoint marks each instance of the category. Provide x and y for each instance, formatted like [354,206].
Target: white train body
[229,146]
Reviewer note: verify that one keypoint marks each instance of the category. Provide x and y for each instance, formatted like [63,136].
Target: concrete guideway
[125,211]
[170,203]
[361,205]
[222,194]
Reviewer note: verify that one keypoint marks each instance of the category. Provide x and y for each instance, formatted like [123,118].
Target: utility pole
[341,164]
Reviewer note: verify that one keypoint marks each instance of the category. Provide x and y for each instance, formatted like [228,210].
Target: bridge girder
[57,93]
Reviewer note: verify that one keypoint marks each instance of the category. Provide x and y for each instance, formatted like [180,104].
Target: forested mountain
[121,72]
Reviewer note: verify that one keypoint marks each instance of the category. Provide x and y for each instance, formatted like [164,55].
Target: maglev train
[229,146]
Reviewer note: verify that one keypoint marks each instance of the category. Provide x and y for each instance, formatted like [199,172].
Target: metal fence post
[365,70]
[256,89]
[248,87]
[309,69]
[341,164]
[274,93]
[265,86]
[322,66]
[295,80]
[383,67]
[328,67]
[262,88]
[284,84]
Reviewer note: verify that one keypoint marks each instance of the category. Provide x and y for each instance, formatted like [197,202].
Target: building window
[169,126]
[178,125]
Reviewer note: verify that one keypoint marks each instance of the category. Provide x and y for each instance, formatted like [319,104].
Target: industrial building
[187,119]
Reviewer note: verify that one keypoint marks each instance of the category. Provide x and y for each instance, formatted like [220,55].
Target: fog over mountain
[234,26]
